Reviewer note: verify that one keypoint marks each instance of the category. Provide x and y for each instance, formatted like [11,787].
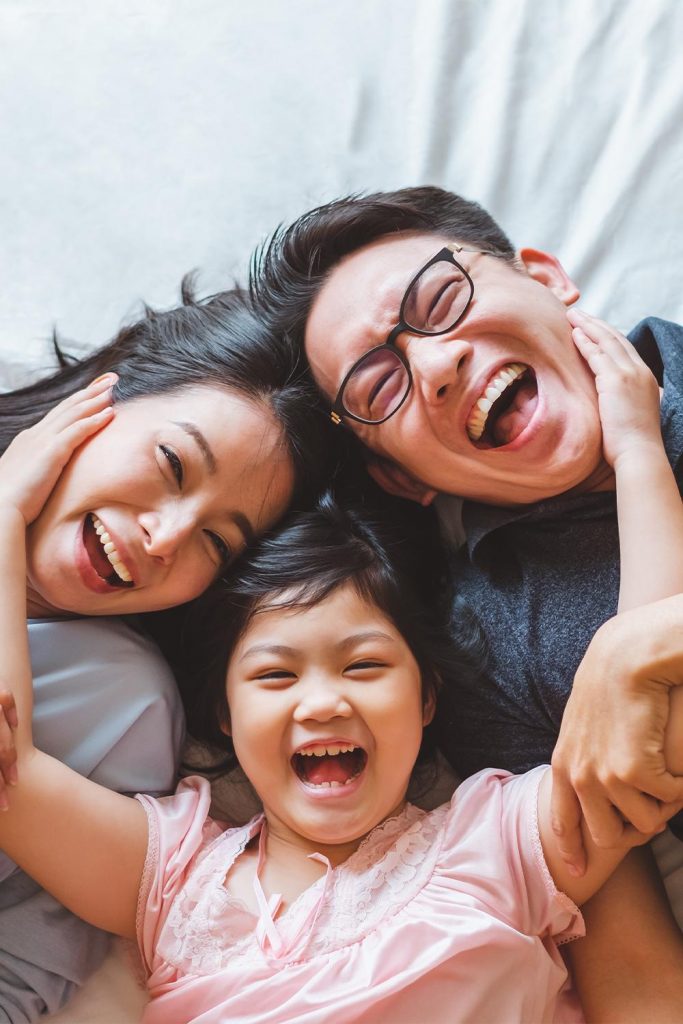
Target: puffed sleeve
[493,841]
[178,827]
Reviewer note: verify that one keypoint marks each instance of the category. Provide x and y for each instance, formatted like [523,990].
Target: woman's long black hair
[393,562]
[221,341]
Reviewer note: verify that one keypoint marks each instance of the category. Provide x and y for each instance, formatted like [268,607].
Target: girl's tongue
[330,768]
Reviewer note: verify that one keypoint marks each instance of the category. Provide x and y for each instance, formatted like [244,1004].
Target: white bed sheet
[142,138]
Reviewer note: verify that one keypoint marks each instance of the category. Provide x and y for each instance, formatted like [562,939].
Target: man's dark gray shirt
[541,579]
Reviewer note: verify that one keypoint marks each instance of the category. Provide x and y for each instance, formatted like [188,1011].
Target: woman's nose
[165,531]
[436,365]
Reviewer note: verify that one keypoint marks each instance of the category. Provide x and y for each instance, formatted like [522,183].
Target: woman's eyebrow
[239,519]
[204,446]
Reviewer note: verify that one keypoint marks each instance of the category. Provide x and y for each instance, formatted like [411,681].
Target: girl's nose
[321,702]
[436,365]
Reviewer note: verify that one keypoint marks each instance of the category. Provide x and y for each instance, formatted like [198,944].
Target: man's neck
[601,479]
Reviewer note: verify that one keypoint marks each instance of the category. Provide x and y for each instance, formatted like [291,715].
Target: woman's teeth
[110,551]
[476,423]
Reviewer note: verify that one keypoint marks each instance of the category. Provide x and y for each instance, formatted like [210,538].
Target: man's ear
[548,270]
[394,480]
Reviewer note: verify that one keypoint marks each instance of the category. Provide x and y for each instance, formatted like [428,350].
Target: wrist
[11,516]
[641,456]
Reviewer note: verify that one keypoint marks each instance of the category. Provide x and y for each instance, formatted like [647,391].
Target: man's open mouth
[505,407]
[103,555]
[329,764]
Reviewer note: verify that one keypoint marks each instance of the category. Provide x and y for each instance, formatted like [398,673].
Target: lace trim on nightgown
[207,927]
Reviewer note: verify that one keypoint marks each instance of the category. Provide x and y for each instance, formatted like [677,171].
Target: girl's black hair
[393,562]
[221,341]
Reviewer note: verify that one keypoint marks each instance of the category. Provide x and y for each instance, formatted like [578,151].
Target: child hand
[8,754]
[33,462]
[628,394]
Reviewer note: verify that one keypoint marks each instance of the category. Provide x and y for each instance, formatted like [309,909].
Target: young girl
[342,900]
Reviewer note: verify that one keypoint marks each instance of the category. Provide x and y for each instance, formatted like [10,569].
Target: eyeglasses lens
[377,386]
[437,298]
[433,304]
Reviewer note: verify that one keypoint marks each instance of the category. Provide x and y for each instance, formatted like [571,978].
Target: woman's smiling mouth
[103,554]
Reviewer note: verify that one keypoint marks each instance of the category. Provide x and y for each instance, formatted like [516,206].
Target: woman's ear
[547,270]
[429,706]
[394,480]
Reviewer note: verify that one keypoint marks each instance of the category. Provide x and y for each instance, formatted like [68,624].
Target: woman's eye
[223,549]
[174,462]
[359,666]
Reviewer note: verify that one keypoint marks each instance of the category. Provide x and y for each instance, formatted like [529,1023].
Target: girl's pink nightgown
[442,916]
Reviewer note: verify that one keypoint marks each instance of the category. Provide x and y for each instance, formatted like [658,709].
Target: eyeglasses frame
[339,410]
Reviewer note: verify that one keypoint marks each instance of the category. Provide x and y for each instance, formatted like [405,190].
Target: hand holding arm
[609,762]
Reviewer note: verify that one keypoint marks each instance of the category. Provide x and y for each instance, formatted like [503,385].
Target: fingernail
[4,804]
[12,775]
[105,376]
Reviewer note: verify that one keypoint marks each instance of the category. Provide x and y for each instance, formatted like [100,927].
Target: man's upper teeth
[320,749]
[111,552]
[494,389]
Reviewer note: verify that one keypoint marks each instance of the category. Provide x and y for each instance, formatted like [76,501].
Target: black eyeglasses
[435,302]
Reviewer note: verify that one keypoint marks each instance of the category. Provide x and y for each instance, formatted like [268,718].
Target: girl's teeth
[111,552]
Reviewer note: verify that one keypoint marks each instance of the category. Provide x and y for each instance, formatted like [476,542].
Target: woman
[210,443]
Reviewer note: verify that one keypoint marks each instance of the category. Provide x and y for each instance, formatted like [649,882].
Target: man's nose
[165,531]
[321,701]
[436,364]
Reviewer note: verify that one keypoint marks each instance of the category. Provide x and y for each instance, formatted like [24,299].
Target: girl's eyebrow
[349,641]
[280,649]
[368,634]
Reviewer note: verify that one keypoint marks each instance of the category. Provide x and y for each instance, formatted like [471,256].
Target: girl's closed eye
[275,675]
[366,665]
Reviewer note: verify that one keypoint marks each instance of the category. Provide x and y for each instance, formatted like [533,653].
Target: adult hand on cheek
[609,765]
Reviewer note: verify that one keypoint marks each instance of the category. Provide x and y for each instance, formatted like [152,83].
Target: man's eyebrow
[204,446]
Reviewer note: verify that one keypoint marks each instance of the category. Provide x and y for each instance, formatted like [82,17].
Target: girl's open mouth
[103,555]
[329,764]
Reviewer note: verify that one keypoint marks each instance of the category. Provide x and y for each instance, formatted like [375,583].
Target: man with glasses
[449,356]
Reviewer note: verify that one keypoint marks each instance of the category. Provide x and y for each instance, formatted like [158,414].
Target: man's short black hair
[289,270]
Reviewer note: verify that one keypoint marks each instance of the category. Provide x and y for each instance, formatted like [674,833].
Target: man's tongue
[327,769]
[510,423]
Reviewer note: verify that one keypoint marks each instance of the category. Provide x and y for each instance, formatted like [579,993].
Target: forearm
[15,666]
[629,968]
[650,514]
